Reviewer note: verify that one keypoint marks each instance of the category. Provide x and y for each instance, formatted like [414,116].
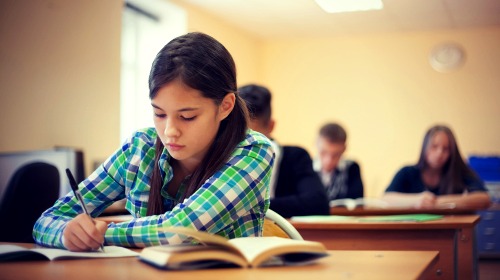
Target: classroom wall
[60,72]
[243,46]
[383,90]
[379,86]
[60,75]
[59,84]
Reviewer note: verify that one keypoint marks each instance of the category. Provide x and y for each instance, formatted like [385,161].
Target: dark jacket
[299,190]
[346,181]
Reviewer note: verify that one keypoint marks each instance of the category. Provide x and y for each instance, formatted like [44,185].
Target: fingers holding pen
[84,234]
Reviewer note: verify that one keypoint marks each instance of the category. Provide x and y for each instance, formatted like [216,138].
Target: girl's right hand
[426,200]
[84,234]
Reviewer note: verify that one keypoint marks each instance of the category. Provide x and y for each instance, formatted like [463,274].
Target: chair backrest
[33,188]
[276,225]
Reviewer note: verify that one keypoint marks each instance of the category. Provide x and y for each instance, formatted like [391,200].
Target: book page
[256,250]
[109,252]
[189,256]
[7,249]
[351,204]
[202,237]
[11,252]
[259,250]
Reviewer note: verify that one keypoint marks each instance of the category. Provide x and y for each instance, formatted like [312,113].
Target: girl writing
[200,167]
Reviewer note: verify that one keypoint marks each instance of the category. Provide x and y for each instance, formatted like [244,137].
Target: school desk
[366,211]
[453,236]
[387,265]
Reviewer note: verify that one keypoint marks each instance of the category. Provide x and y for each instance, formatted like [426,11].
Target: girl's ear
[226,106]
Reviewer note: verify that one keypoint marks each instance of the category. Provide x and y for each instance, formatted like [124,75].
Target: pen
[74,187]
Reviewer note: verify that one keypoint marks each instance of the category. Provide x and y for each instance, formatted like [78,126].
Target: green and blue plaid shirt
[231,203]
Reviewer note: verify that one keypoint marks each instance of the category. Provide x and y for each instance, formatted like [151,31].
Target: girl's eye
[161,116]
[188,118]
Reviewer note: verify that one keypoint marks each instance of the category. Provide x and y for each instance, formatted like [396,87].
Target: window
[146,27]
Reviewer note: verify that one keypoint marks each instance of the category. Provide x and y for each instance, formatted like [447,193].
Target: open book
[351,204]
[14,253]
[217,251]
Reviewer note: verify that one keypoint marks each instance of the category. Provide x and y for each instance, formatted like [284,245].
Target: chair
[276,225]
[32,189]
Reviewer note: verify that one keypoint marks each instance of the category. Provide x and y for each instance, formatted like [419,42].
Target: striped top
[232,203]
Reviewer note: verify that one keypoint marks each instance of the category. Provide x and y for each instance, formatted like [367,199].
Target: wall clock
[446,57]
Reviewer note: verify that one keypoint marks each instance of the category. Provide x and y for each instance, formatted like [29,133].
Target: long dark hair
[204,64]
[454,170]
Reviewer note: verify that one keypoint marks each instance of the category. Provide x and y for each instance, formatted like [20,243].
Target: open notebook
[15,253]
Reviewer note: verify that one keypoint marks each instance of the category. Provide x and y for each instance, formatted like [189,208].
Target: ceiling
[285,18]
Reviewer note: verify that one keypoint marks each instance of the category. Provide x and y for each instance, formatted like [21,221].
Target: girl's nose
[171,130]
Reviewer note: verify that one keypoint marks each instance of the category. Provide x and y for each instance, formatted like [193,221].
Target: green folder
[402,218]
[382,218]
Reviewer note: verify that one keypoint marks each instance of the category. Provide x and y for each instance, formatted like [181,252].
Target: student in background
[440,179]
[341,177]
[200,167]
[295,189]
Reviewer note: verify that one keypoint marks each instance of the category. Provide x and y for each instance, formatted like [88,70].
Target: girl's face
[438,150]
[187,122]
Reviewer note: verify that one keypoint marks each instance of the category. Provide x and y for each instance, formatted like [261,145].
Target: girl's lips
[174,147]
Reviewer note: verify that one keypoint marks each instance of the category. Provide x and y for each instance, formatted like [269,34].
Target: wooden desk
[452,236]
[387,265]
[361,211]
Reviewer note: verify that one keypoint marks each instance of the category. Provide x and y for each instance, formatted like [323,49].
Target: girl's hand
[84,234]
[426,200]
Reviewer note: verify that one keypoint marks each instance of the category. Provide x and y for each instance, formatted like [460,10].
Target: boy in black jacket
[295,189]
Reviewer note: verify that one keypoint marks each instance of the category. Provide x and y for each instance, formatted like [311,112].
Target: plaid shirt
[231,203]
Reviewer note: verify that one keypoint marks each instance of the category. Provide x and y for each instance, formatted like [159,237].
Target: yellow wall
[60,78]
[383,90]
[380,87]
[60,72]
[244,47]
[60,75]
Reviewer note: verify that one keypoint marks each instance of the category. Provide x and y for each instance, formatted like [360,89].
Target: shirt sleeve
[239,189]
[475,184]
[103,187]
[49,227]
[232,202]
